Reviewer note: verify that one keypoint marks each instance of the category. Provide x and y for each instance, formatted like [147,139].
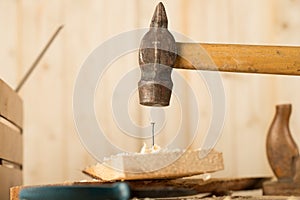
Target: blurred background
[52,149]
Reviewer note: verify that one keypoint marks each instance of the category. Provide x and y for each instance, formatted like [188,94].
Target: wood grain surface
[282,60]
[156,166]
[147,188]
[11,106]
[11,144]
[50,132]
[281,188]
[9,178]
[11,148]
[218,187]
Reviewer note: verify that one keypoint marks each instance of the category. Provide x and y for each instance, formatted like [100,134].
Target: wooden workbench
[246,183]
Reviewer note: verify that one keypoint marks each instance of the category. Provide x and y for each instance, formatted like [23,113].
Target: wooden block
[11,148]
[141,166]
[216,186]
[11,106]
[8,178]
[281,188]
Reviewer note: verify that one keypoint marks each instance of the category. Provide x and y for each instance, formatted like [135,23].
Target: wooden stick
[283,60]
[37,60]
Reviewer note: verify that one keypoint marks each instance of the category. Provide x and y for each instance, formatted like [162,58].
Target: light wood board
[11,106]
[28,25]
[239,58]
[143,166]
[11,146]
[8,178]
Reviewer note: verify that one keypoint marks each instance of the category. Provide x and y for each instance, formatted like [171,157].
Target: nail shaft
[153,123]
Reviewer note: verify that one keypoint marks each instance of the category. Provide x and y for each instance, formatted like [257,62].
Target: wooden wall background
[52,150]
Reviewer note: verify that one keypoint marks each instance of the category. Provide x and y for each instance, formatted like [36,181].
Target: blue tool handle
[116,191]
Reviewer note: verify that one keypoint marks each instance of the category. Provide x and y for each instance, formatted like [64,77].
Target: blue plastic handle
[116,191]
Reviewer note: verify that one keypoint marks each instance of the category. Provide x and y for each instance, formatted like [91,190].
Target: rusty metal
[153,142]
[283,155]
[157,55]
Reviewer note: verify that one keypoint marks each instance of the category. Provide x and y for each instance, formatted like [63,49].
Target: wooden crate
[11,148]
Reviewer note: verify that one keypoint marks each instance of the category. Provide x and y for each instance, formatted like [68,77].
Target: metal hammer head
[157,55]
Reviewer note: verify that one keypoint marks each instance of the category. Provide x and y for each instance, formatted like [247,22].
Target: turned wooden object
[283,155]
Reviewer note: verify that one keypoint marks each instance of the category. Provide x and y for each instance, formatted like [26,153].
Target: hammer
[159,53]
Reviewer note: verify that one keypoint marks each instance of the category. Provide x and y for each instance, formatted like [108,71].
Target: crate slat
[11,145]
[11,106]
[9,178]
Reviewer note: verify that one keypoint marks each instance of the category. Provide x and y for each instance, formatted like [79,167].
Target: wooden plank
[10,46]
[8,178]
[11,145]
[239,58]
[215,186]
[162,165]
[281,188]
[11,106]
[226,24]
[150,188]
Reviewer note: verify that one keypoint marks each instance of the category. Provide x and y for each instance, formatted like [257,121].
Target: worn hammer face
[157,55]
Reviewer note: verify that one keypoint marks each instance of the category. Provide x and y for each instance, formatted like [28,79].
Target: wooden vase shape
[282,151]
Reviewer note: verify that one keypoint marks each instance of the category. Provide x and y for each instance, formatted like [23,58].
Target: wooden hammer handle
[283,60]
